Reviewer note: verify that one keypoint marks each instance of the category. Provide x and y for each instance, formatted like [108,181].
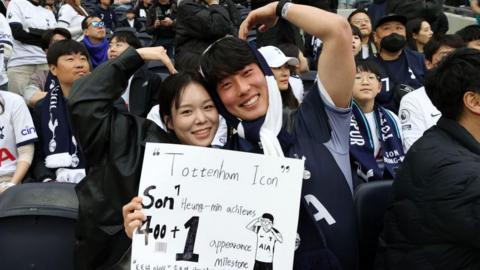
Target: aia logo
[5,155]
[28,131]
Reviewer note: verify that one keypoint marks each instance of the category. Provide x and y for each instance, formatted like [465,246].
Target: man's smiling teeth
[251,101]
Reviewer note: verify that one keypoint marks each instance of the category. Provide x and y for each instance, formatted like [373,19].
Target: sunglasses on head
[97,24]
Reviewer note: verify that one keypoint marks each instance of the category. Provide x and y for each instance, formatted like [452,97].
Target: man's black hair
[451,79]
[128,37]
[356,11]
[452,41]
[85,21]
[172,90]
[225,57]
[469,33]
[65,47]
[268,216]
[48,35]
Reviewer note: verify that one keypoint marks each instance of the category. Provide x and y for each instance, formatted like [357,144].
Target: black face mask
[393,42]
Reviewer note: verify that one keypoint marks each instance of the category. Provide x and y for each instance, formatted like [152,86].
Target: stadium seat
[37,222]
[145,38]
[157,67]
[125,29]
[371,201]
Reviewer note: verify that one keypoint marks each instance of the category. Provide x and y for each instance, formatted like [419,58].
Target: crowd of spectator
[78,77]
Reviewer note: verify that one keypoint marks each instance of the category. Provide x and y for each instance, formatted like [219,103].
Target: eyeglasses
[97,24]
[360,21]
[369,77]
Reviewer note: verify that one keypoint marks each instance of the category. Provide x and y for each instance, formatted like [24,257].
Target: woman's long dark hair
[288,98]
[413,27]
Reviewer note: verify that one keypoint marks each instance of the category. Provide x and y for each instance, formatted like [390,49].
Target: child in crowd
[375,136]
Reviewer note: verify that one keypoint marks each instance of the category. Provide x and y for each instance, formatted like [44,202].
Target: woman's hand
[132,216]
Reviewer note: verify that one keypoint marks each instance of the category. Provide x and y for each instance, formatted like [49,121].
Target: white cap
[276,58]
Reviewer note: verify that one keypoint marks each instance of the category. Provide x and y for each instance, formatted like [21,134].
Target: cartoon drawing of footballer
[267,237]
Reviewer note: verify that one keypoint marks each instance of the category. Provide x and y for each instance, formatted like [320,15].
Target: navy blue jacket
[416,62]
[321,246]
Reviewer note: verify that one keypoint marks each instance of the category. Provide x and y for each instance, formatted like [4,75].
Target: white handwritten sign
[216,209]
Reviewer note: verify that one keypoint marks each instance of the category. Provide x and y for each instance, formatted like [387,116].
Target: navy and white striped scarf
[62,150]
[362,147]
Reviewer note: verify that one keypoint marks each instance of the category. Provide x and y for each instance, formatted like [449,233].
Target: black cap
[391,18]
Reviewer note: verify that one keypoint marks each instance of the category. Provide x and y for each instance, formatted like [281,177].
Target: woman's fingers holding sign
[265,17]
[132,216]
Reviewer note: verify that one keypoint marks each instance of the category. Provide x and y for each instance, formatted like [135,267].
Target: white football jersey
[16,129]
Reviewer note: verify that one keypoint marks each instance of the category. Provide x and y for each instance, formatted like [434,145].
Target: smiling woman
[114,142]
[187,110]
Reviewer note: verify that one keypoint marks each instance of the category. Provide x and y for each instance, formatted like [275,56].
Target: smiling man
[58,155]
[247,95]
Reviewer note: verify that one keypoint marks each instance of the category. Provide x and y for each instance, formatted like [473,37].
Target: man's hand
[264,16]
[36,97]
[167,21]
[157,23]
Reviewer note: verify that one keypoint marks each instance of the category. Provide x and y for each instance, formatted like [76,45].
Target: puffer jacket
[198,25]
[113,142]
[434,220]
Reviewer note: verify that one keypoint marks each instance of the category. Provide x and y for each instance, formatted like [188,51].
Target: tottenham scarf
[362,147]
[62,150]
